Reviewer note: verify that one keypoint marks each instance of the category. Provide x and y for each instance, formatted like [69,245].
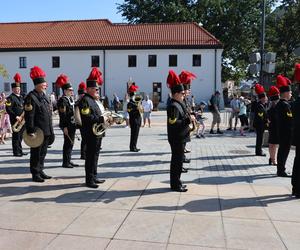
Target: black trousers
[134,134]
[17,142]
[37,157]
[68,145]
[93,145]
[176,164]
[282,155]
[296,171]
[259,140]
[82,145]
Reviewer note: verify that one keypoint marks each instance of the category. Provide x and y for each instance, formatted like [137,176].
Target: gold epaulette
[172,121]
[8,103]
[261,114]
[289,114]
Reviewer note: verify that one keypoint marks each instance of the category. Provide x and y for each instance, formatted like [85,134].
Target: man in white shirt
[147,105]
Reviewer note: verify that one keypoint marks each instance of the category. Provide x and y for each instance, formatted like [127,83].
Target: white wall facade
[114,66]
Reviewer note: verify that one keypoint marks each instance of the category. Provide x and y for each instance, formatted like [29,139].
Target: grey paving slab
[97,222]
[129,245]
[289,232]
[20,240]
[205,231]
[251,234]
[77,243]
[146,226]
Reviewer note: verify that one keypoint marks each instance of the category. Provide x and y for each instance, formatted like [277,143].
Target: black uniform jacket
[296,122]
[260,116]
[90,114]
[178,122]
[66,112]
[285,121]
[38,113]
[134,113]
[14,107]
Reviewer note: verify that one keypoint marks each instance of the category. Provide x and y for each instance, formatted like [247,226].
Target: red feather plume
[273,91]
[96,75]
[133,88]
[62,80]
[259,89]
[37,72]
[297,73]
[17,78]
[172,79]
[186,77]
[82,85]
[282,81]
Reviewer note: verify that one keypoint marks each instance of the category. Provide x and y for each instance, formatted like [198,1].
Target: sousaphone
[35,140]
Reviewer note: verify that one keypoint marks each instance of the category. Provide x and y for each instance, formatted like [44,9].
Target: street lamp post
[262,40]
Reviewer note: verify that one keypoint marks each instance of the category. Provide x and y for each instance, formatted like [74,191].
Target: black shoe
[179,189]
[234,129]
[219,132]
[67,166]
[229,129]
[37,178]
[202,136]
[184,170]
[283,174]
[44,176]
[74,164]
[92,185]
[198,136]
[186,160]
[99,181]
[18,155]
[211,132]
[135,150]
[261,154]
[24,153]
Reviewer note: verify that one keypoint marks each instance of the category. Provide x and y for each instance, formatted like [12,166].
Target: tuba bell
[99,128]
[138,100]
[18,125]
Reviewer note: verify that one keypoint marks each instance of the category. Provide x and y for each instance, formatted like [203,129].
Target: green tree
[235,23]
[285,39]
[3,71]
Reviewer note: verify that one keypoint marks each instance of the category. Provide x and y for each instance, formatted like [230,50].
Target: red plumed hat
[62,81]
[173,82]
[186,78]
[133,88]
[282,83]
[82,85]
[81,88]
[37,75]
[273,93]
[95,78]
[17,78]
[17,82]
[260,91]
[297,73]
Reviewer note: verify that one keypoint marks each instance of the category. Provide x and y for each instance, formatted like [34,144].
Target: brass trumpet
[18,124]
[111,118]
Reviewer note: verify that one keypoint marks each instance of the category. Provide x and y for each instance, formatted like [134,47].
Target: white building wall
[77,65]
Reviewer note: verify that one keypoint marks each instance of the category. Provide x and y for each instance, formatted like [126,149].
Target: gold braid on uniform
[85,108]
[172,119]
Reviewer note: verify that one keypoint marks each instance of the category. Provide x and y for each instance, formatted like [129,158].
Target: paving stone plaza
[234,199]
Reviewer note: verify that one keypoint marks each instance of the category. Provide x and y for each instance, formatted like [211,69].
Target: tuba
[17,126]
[99,128]
[138,100]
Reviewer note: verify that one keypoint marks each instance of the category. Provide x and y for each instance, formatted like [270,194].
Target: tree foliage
[3,71]
[235,23]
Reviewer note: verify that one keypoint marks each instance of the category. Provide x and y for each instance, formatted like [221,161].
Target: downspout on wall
[104,74]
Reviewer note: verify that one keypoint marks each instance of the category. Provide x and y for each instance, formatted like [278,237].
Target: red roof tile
[102,33]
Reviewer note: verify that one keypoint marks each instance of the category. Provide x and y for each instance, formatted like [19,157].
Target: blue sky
[47,10]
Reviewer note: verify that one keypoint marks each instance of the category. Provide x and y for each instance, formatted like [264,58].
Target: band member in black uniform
[91,113]
[272,124]
[178,128]
[15,110]
[81,92]
[38,115]
[135,119]
[260,118]
[67,124]
[296,136]
[186,78]
[285,119]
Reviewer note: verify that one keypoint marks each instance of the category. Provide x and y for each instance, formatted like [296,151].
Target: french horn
[111,118]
